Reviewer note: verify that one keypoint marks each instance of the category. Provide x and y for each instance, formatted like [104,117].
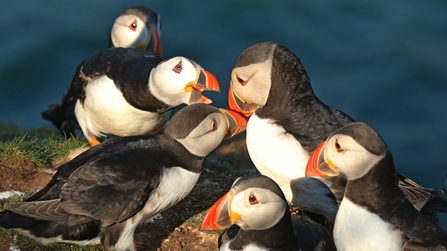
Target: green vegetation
[40,146]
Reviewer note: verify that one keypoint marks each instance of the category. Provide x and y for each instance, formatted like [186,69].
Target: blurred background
[382,62]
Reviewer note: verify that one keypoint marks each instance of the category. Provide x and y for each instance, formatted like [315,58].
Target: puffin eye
[252,199]
[178,67]
[338,146]
[133,26]
[240,80]
[215,125]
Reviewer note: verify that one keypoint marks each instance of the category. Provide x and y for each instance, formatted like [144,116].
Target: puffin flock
[325,182]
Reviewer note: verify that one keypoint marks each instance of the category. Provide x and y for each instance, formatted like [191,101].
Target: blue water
[382,62]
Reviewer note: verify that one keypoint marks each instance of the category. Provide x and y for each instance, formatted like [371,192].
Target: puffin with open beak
[374,213]
[259,213]
[127,92]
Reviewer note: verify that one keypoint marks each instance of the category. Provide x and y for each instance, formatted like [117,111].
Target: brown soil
[179,228]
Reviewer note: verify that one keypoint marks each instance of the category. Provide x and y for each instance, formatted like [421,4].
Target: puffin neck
[181,155]
[379,182]
[290,89]
[281,236]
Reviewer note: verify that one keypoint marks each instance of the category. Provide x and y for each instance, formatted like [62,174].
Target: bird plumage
[136,27]
[288,121]
[257,217]
[102,195]
[374,211]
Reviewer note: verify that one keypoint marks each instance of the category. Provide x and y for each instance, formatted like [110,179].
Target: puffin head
[253,203]
[180,80]
[352,150]
[137,27]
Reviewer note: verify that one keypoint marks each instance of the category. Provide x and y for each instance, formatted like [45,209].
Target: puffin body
[102,195]
[288,154]
[374,213]
[136,27]
[287,120]
[287,123]
[262,220]
[128,92]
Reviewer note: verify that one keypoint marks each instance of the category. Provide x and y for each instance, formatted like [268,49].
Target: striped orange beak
[317,164]
[237,104]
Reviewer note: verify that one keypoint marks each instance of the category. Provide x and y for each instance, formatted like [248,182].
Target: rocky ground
[179,227]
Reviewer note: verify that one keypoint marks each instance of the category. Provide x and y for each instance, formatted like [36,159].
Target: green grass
[40,146]
[14,198]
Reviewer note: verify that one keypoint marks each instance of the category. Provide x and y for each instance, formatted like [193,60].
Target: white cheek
[262,215]
[355,161]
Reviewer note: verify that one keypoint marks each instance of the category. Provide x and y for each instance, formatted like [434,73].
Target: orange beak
[236,122]
[317,165]
[205,82]
[220,215]
[237,104]
[157,46]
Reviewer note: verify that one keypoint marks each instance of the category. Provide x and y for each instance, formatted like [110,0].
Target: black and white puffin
[374,213]
[127,92]
[287,123]
[258,207]
[101,196]
[136,27]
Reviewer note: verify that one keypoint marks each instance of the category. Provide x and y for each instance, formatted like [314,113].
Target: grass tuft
[40,146]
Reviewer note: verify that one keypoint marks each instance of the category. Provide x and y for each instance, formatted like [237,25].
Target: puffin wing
[334,119]
[111,189]
[113,63]
[426,200]
[49,210]
[99,184]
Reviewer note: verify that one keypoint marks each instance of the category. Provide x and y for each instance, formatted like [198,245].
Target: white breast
[249,247]
[175,184]
[275,153]
[358,229]
[106,111]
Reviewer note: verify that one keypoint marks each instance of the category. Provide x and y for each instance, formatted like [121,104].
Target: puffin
[374,213]
[256,216]
[287,121]
[128,91]
[136,27]
[102,195]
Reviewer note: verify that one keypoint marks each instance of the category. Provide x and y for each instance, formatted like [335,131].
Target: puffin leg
[139,243]
[93,142]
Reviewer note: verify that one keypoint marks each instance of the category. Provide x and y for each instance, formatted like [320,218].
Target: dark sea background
[382,62]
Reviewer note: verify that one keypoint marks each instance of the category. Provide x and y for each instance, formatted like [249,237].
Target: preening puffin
[374,213]
[101,196]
